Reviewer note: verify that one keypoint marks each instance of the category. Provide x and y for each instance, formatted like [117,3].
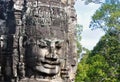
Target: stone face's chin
[48,69]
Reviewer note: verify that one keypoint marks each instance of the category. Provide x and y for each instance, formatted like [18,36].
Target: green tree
[102,64]
[82,69]
[108,18]
[109,48]
[97,68]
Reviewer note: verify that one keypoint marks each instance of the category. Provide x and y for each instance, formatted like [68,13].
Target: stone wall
[39,39]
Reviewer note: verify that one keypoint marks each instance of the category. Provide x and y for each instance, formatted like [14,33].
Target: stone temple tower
[37,41]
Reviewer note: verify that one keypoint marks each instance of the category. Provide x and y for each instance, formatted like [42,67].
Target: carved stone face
[48,55]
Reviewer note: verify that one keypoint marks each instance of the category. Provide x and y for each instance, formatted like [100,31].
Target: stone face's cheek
[60,52]
[43,52]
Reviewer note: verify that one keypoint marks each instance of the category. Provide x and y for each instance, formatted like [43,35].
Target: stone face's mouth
[49,63]
[49,66]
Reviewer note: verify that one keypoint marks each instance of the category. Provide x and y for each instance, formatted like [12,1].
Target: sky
[84,14]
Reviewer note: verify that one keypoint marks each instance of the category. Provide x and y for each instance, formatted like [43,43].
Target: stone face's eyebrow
[54,40]
[45,42]
[58,42]
[49,42]
[42,42]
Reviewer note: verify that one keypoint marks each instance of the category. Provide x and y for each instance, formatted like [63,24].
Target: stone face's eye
[58,45]
[48,43]
[42,45]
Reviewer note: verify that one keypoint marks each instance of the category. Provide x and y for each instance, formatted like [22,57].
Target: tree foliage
[103,63]
[109,48]
[107,17]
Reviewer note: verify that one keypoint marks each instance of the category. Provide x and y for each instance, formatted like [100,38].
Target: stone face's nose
[52,50]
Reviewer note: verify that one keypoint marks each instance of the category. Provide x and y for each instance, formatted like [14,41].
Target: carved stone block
[39,39]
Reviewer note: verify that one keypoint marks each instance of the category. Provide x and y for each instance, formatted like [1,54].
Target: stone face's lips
[47,61]
[48,69]
[49,66]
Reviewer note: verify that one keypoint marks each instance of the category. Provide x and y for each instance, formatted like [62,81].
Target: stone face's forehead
[49,33]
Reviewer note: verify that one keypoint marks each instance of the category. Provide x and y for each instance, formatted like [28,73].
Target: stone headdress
[46,19]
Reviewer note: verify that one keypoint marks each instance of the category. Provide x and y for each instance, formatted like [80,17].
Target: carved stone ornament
[37,41]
